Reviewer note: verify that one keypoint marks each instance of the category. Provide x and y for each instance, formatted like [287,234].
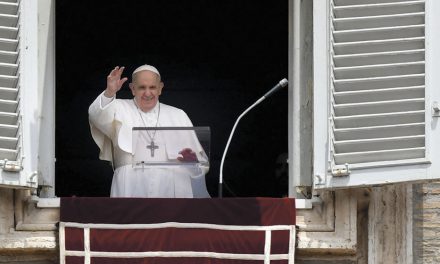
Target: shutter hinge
[11,166]
[32,178]
[436,109]
[341,170]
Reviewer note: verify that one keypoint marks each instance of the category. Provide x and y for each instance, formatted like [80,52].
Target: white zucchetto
[146,67]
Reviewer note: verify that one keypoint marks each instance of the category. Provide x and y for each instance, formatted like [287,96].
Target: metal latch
[436,109]
[11,166]
[341,170]
[33,178]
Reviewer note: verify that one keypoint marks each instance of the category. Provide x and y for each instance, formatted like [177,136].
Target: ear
[131,88]
[160,87]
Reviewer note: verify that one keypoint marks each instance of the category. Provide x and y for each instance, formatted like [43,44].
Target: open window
[27,87]
[375,65]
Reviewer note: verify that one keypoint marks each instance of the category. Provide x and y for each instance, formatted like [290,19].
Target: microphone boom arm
[281,84]
[220,187]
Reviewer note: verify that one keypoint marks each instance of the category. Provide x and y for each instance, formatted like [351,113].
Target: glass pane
[170,146]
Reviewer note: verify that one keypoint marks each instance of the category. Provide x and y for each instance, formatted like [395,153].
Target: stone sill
[48,202]
[307,204]
[29,241]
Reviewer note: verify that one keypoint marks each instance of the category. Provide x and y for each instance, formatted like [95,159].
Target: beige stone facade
[427,223]
[27,232]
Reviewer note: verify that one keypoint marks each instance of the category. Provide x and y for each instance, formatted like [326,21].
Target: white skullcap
[146,67]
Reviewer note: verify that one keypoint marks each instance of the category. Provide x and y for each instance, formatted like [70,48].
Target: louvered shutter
[12,171]
[377,123]
[9,124]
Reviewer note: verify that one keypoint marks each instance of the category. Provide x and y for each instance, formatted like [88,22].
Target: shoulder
[171,109]
[174,116]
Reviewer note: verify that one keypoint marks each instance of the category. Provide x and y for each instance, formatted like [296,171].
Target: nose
[147,92]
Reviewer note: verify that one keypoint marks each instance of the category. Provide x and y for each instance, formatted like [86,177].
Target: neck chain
[152,145]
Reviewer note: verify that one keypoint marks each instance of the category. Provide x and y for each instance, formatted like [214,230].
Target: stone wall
[426,244]
[35,245]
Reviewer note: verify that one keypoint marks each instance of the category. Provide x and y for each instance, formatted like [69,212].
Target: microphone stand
[281,84]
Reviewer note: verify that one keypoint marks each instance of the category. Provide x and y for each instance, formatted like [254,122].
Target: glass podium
[170,146]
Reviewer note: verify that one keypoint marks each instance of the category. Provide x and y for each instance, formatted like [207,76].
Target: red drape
[141,230]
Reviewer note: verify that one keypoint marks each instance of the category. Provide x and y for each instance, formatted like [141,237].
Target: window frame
[28,83]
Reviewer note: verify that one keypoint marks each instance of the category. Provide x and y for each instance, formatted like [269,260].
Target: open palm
[114,81]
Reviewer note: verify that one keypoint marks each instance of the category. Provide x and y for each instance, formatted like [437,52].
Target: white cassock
[111,121]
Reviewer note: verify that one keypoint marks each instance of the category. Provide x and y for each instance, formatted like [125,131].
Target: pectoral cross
[152,147]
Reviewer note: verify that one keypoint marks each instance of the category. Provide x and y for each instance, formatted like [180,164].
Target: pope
[111,122]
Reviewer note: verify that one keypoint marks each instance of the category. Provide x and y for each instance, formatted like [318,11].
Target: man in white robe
[111,122]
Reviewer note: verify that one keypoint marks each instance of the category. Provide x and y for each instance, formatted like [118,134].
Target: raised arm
[102,111]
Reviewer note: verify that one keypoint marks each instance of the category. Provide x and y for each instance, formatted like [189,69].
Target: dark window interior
[216,58]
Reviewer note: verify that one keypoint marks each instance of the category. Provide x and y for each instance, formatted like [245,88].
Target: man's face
[146,88]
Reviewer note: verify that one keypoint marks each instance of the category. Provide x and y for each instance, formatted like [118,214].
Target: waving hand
[114,81]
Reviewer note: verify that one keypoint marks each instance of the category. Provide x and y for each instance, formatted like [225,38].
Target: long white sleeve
[106,100]
[101,118]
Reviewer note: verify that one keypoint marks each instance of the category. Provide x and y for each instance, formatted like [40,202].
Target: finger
[190,152]
[187,150]
[113,72]
[122,81]
[119,71]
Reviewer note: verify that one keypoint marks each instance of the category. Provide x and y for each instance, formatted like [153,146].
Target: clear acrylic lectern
[170,146]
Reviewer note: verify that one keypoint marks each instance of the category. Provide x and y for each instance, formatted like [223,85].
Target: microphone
[281,84]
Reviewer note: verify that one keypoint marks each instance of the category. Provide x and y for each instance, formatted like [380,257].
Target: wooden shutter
[9,84]
[376,93]
[378,81]
[19,127]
